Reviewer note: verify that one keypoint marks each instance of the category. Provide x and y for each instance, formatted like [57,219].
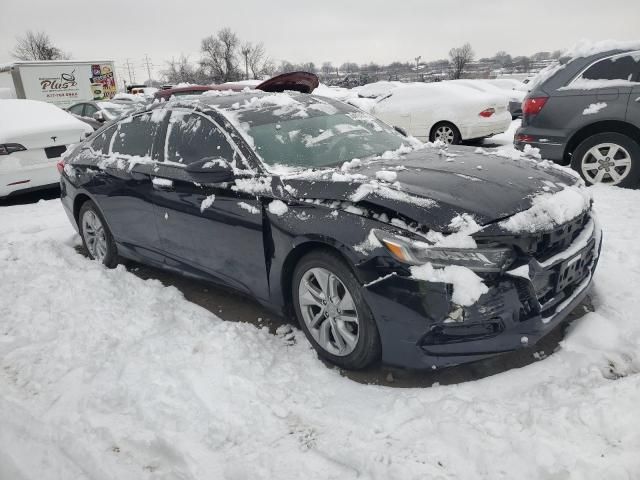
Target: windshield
[323,140]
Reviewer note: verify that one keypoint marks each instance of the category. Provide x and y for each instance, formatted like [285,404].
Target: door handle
[162,184]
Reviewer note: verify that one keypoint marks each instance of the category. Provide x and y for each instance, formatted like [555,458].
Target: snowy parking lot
[106,375]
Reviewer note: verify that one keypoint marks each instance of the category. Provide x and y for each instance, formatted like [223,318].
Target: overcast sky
[328,30]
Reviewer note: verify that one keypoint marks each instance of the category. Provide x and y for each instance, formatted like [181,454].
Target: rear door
[122,182]
[211,228]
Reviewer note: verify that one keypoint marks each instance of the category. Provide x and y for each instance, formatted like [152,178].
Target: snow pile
[467,285]
[386,176]
[105,375]
[278,207]
[594,108]
[549,210]
[462,228]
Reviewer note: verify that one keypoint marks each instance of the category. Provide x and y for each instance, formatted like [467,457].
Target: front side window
[192,137]
[135,135]
[614,68]
[89,110]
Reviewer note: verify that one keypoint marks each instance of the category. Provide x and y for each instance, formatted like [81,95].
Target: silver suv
[585,112]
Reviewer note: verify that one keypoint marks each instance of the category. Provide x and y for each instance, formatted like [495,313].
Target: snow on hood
[432,187]
[31,122]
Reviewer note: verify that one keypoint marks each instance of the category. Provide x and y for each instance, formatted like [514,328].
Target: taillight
[532,106]
[486,113]
[60,166]
[525,138]
[8,148]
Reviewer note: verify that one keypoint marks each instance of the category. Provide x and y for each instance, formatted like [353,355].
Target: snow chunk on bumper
[467,285]
[548,210]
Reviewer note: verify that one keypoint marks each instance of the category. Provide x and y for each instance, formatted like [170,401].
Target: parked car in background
[585,112]
[383,257]
[33,136]
[443,111]
[95,113]
[514,98]
[303,82]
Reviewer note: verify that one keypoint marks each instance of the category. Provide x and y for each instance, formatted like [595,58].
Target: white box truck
[61,82]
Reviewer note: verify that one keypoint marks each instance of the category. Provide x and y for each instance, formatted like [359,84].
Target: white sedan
[443,111]
[33,136]
[513,97]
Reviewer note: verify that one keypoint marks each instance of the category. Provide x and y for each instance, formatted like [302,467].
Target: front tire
[96,236]
[446,132]
[609,158]
[332,312]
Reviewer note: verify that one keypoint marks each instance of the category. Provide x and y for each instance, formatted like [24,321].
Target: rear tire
[96,236]
[328,302]
[446,132]
[609,158]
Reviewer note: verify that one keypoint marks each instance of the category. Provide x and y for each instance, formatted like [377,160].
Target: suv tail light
[60,166]
[8,148]
[486,113]
[532,106]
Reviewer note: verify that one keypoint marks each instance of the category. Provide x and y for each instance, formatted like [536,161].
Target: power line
[146,60]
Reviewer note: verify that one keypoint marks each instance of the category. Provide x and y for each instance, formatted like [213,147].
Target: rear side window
[191,137]
[615,68]
[135,135]
[102,141]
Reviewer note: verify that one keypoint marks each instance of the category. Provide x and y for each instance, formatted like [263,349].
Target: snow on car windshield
[298,130]
[322,141]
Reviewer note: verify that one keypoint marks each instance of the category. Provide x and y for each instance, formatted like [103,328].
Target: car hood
[436,186]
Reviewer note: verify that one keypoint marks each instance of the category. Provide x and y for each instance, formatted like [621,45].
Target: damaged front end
[530,283]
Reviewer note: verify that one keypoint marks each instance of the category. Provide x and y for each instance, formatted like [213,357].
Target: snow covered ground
[104,375]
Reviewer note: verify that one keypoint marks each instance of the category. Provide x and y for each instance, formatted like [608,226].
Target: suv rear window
[614,68]
[102,141]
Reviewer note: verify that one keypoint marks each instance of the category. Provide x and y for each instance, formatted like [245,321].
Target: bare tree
[460,58]
[259,63]
[220,55]
[182,71]
[36,46]
[327,69]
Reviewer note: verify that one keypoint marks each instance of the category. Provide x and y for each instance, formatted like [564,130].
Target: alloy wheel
[607,163]
[94,235]
[328,311]
[445,134]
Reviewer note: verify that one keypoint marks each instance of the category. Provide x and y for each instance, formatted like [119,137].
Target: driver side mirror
[211,170]
[99,116]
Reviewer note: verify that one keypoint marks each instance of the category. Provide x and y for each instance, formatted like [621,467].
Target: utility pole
[246,50]
[132,79]
[146,60]
[417,59]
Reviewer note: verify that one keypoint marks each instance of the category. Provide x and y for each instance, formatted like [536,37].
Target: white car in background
[33,136]
[514,98]
[442,111]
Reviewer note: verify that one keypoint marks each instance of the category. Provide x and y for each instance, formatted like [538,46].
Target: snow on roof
[586,48]
[23,117]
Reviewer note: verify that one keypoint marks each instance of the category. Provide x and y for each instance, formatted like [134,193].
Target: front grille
[543,245]
[55,152]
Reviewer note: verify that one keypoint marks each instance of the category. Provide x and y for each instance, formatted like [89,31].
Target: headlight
[420,252]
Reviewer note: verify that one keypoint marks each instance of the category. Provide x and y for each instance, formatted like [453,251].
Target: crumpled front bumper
[522,306]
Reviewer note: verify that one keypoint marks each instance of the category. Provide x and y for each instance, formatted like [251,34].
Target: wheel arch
[78,201]
[614,126]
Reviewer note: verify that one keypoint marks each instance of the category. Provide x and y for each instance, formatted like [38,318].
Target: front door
[212,228]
